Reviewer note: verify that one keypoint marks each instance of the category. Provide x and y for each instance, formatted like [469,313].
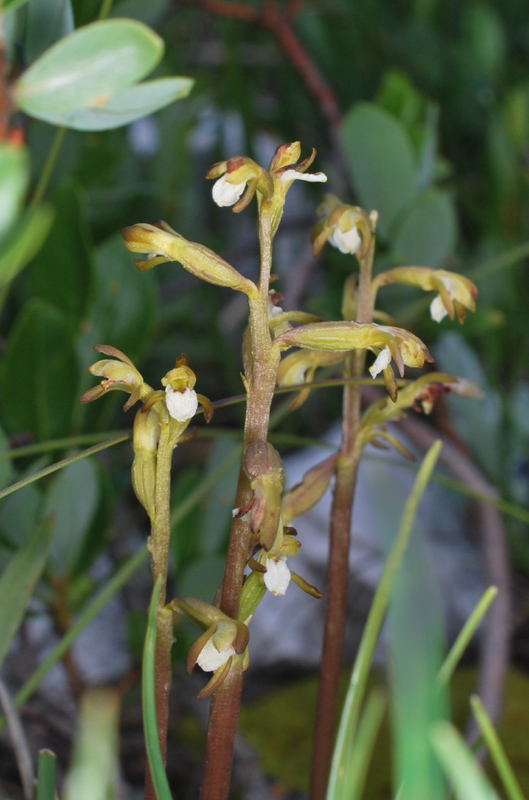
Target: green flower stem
[45,175]
[260,376]
[158,546]
[261,379]
[340,534]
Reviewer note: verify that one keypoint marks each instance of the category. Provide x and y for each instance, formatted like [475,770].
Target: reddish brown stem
[222,729]
[280,25]
[260,376]
[340,534]
[335,613]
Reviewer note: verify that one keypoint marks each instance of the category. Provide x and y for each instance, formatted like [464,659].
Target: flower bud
[162,244]
[145,436]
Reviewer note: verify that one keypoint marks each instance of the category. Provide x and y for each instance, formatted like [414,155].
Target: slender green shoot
[45,175]
[354,766]
[459,764]
[465,635]
[360,673]
[46,775]
[59,444]
[150,727]
[497,753]
[105,9]
[63,463]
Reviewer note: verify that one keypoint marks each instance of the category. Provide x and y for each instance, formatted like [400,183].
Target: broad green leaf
[24,242]
[203,577]
[127,105]
[95,759]
[39,373]
[87,67]
[426,235]
[18,581]
[14,175]
[478,423]
[62,272]
[47,23]
[380,158]
[217,516]
[459,765]
[72,499]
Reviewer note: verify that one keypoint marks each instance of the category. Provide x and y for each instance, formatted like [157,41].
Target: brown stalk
[340,534]
[260,376]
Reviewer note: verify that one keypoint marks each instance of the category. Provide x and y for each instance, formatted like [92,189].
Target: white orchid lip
[225,193]
[277,575]
[310,177]
[437,309]
[210,659]
[381,362]
[346,242]
[181,405]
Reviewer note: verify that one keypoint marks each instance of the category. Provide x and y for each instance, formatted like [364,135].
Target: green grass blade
[46,775]
[63,463]
[150,727]
[465,635]
[459,765]
[60,444]
[497,753]
[18,581]
[377,612]
[353,769]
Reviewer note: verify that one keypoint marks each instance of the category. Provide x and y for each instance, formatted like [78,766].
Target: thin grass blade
[459,765]
[353,769]
[497,753]
[150,727]
[465,635]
